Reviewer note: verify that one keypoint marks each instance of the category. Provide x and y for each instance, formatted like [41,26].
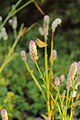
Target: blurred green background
[18,92]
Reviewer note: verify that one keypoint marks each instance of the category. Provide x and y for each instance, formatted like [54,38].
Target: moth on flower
[40,43]
[33,50]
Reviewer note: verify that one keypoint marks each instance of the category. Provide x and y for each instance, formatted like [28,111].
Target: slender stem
[56,103]
[5,63]
[71,115]
[13,46]
[39,9]
[52,41]
[10,53]
[35,80]
[47,80]
[65,111]
[46,60]
[15,33]
[31,26]
[2,25]
[27,3]
[51,76]
[10,14]
[15,6]
[13,11]
[40,72]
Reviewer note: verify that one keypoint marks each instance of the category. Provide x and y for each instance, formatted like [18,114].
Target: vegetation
[18,93]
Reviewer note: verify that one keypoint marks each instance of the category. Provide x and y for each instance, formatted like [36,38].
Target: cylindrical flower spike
[71,74]
[62,78]
[4,33]
[57,81]
[13,22]
[79,63]
[33,50]
[72,71]
[74,94]
[53,55]
[46,24]
[4,114]
[55,23]
[78,68]
[23,55]
[10,21]
[78,74]
[41,31]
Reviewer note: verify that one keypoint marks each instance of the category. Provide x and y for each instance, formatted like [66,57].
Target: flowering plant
[64,100]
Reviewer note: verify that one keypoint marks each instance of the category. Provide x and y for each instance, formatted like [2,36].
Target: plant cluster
[64,100]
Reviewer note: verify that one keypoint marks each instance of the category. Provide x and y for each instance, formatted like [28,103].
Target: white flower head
[23,55]
[10,21]
[33,50]
[57,81]
[54,54]
[13,22]
[46,19]
[41,31]
[72,71]
[62,78]
[4,34]
[74,94]
[55,23]
[46,24]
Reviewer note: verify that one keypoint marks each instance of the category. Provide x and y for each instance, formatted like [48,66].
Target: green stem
[10,53]
[65,111]
[40,72]
[2,25]
[27,3]
[51,79]
[13,12]
[10,14]
[5,63]
[15,33]
[13,46]
[47,80]
[39,9]
[52,41]
[57,104]
[35,80]
[15,6]
[71,115]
